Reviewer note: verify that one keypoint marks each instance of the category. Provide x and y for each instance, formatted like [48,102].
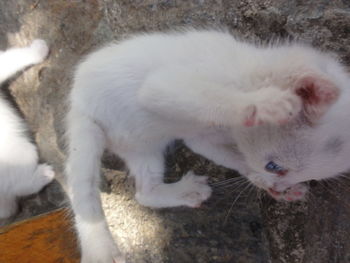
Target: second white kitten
[20,173]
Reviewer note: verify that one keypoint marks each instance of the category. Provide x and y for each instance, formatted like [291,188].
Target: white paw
[46,173]
[194,189]
[274,107]
[296,192]
[96,242]
[101,251]
[39,50]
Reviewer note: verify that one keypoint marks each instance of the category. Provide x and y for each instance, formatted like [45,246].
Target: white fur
[206,88]
[20,173]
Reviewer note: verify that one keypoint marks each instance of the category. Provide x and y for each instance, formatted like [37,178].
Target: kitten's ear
[317,93]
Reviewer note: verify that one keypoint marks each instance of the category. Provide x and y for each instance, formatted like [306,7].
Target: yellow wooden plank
[43,239]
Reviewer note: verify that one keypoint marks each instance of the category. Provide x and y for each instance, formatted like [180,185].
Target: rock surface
[255,229]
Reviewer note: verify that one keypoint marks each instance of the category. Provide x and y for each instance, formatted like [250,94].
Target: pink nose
[282,172]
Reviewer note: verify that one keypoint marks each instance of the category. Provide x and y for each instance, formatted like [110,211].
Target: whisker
[346,175]
[259,193]
[230,191]
[344,180]
[230,184]
[323,183]
[235,200]
[333,193]
[251,188]
[310,199]
[227,181]
[250,194]
[238,186]
[338,183]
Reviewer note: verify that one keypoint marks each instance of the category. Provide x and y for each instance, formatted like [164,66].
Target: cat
[284,106]
[20,173]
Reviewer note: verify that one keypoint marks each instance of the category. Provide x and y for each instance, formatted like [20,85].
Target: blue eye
[274,168]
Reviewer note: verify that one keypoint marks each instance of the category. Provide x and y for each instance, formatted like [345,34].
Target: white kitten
[20,173]
[211,90]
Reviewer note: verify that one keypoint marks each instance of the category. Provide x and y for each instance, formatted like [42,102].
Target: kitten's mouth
[293,193]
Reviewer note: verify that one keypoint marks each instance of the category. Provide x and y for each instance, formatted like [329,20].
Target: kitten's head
[281,158]
[278,158]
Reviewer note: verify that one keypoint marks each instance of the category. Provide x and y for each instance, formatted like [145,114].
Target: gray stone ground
[256,229]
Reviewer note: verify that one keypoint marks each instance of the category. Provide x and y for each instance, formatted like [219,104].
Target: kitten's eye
[275,168]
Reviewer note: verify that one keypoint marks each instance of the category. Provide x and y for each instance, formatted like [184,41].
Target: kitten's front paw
[293,193]
[296,192]
[274,107]
[39,51]
[194,189]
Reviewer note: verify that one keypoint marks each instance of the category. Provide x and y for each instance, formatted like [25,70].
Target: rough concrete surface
[232,226]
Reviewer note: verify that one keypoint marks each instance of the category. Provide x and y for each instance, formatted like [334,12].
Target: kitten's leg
[148,169]
[219,152]
[16,59]
[8,206]
[183,93]
[86,145]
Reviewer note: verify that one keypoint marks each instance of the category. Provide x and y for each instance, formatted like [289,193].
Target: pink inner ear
[307,93]
[317,94]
